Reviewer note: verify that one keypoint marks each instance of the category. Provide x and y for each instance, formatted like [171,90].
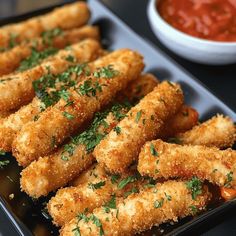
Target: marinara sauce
[208,19]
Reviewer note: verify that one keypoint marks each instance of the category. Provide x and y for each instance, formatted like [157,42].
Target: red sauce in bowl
[208,19]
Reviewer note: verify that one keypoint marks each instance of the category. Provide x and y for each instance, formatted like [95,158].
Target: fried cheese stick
[65,17]
[17,89]
[36,178]
[139,212]
[143,122]
[11,60]
[185,119]
[62,120]
[14,122]
[96,187]
[67,203]
[219,131]
[164,160]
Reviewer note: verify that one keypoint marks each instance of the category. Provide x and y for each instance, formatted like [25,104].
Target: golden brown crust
[70,201]
[17,90]
[143,122]
[10,60]
[138,213]
[186,161]
[36,178]
[185,119]
[13,123]
[65,17]
[219,131]
[34,140]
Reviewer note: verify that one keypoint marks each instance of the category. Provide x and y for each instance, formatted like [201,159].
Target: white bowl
[189,47]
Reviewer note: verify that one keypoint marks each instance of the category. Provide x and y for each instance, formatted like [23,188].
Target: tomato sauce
[208,19]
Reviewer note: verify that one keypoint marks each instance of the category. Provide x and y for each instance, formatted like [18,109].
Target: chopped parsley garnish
[49,35]
[125,181]
[138,116]
[111,204]
[68,115]
[193,209]
[36,117]
[76,231]
[168,197]
[35,58]
[12,41]
[214,170]
[98,223]
[117,110]
[114,178]
[4,163]
[229,179]
[105,72]
[153,150]
[133,190]
[158,204]
[89,89]
[91,137]
[97,185]
[2,153]
[117,129]
[70,58]
[195,185]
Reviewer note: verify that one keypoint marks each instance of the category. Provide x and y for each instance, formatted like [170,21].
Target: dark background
[221,80]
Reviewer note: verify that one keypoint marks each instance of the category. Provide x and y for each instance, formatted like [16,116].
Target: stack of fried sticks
[129,151]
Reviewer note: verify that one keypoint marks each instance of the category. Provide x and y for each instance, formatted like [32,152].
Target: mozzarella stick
[65,17]
[138,89]
[62,120]
[17,89]
[139,212]
[219,131]
[143,122]
[95,188]
[36,178]
[185,119]
[14,58]
[159,159]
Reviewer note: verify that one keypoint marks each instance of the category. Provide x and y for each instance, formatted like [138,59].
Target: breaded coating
[62,120]
[138,89]
[143,122]
[11,59]
[185,119]
[159,159]
[65,17]
[13,123]
[219,132]
[94,188]
[139,212]
[36,178]
[17,89]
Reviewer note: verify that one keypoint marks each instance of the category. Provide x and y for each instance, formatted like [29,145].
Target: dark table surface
[221,80]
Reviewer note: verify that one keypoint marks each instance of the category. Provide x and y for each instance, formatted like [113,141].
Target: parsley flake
[195,185]
[138,116]
[97,185]
[158,204]
[153,150]
[4,163]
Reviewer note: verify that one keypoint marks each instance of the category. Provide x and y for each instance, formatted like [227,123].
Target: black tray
[27,216]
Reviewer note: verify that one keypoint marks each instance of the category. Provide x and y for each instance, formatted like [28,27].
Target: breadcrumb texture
[143,122]
[13,123]
[219,131]
[35,138]
[138,213]
[172,160]
[65,17]
[11,59]
[36,178]
[17,89]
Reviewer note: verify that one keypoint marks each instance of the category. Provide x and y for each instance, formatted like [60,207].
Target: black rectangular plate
[26,215]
